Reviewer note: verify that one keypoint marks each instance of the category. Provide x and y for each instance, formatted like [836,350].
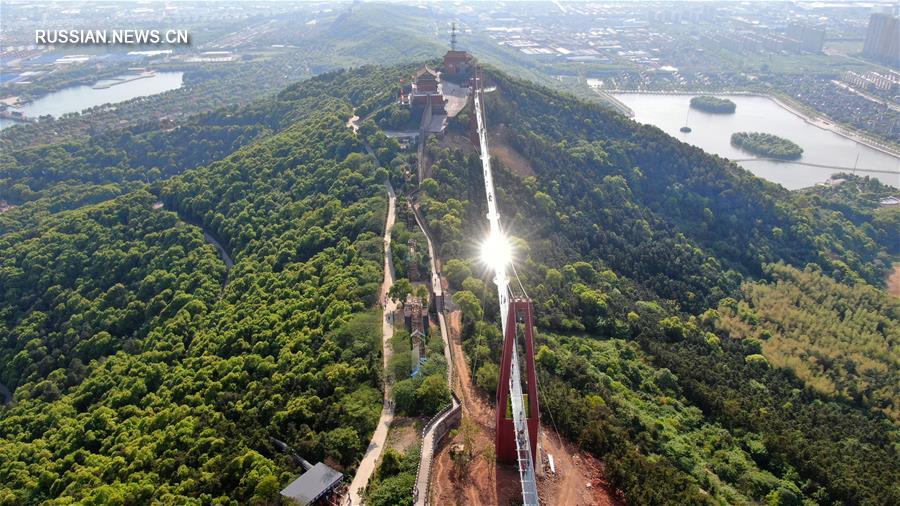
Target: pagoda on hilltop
[457,63]
[426,81]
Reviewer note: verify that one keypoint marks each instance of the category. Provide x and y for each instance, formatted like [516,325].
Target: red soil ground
[578,479]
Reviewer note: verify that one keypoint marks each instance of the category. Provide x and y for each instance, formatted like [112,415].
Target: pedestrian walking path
[373,452]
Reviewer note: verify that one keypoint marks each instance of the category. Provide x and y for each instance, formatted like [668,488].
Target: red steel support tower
[520,311]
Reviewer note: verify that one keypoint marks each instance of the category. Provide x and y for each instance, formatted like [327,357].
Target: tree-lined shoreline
[709,103]
[766,145]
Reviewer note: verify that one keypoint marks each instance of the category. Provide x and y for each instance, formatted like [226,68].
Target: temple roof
[456,55]
[425,70]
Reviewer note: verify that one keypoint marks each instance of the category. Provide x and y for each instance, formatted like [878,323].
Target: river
[712,133]
[79,98]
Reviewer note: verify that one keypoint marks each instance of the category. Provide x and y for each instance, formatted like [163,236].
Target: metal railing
[439,425]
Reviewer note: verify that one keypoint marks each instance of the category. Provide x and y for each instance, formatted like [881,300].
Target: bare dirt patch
[453,140]
[512,159]
[404,433]
[893,283]
[579,476]
[353,123]
[480,483]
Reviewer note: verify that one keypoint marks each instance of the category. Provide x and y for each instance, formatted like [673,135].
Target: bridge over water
[823,166]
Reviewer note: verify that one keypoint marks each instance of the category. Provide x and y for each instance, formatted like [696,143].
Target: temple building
[432,99]
[456,63]
[426,88]
[415,315]
[416,318]
[426,81]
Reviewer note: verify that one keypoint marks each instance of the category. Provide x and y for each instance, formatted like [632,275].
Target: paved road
[457,97]
[819,165]
[370,459]
[229,263]
[436,285]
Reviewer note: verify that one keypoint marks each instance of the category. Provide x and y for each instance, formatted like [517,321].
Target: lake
[78,98]
[5,122]
[712,133]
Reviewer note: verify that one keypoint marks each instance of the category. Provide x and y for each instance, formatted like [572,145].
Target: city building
[883,39]
[803,38]
[872,81]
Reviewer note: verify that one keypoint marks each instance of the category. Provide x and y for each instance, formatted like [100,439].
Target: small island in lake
[767,145]
[716,105]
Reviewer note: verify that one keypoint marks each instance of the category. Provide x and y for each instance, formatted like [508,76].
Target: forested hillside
[139,379]
[119,268]
[146,371]
[840,339]
[623,233]
[153,152]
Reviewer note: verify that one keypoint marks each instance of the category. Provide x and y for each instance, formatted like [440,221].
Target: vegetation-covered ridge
[708,103]
[154,152]
[842,340]
[627,238]
[137,381]
[766,145]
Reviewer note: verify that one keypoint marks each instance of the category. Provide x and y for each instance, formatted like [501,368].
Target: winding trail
[431,437]
[229,263]
[376,445]
[223,254]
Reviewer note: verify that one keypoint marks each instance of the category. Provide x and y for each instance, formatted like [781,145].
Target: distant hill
[383,33]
